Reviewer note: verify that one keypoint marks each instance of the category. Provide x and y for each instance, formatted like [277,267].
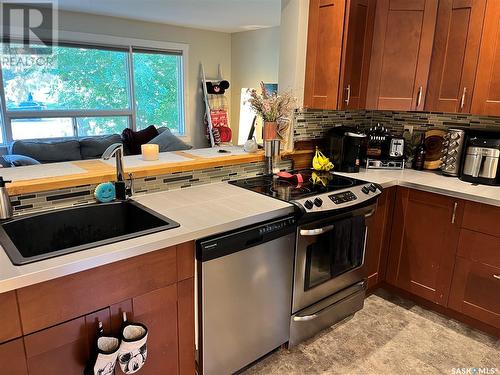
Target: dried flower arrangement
[273,107]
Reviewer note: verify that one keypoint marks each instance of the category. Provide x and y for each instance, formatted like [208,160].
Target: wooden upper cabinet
[455,55]
[486,99]
[358,35]
[425,233]
[401,54]
[324,47]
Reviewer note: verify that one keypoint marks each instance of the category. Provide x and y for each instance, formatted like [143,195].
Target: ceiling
[217,15]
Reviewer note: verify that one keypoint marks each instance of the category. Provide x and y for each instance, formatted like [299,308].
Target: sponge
[105,192]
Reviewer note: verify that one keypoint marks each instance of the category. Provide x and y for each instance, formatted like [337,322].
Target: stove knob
[308,204]
[318,202]
[373,188]
[365,189]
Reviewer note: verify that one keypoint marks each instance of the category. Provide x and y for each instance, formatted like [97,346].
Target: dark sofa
[53,151]
[59,150]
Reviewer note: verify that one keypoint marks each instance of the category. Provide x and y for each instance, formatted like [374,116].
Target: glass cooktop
[314,182]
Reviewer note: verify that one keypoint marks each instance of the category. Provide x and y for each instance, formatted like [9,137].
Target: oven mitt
[105,354]
[133,348]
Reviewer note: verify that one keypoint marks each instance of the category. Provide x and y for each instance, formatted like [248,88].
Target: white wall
[254,58]
[293,46]
[208,47]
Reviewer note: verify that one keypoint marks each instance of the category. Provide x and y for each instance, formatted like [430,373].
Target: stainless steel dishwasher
[244,294]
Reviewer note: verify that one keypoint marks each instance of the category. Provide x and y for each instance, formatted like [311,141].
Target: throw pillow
[133,140]
[19,160]
[169,142]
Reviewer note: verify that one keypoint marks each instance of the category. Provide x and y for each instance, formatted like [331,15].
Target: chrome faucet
[6,211]
[116,150]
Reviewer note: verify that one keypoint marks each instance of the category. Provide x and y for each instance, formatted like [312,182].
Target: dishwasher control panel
[277,225]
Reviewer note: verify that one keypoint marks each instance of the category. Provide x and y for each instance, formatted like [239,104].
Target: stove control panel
[340,199]
[346,196]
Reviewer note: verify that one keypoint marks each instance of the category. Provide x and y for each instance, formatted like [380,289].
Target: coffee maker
[344,148]
[482,159]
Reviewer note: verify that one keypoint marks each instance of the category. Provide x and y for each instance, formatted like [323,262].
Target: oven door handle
[316,232]
[369,214]
[317,314]
[305,318]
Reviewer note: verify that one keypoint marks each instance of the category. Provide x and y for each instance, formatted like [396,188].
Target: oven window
[335,252]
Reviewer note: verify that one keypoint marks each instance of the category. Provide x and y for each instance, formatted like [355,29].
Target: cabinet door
[158,311]
[377,241]
[486,99]
[401,54]
[455,55]
[62,349]
[10,324]
[475,291]
[65,348]
[12,358]
[358,35]
[324,47]
[185,316]
[424,241]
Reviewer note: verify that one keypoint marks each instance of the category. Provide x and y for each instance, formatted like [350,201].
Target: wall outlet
[409,128]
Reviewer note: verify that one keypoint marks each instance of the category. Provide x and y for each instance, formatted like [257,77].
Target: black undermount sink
[49,234]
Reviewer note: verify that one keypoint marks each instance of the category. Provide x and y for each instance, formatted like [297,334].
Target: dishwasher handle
[241,239]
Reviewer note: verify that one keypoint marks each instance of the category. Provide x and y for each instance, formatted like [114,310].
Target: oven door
[330,255]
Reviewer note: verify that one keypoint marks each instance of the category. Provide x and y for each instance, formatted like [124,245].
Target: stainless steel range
[329,277]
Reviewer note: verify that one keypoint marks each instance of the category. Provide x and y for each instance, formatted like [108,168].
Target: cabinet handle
[348,99]
[496,277]
[419,96]
[454,213]
[462,101]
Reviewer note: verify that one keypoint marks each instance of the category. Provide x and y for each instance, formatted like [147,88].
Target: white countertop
[209,209]
[432,182]
[201,211]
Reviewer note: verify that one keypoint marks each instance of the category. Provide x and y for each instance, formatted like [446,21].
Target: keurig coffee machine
[344,148]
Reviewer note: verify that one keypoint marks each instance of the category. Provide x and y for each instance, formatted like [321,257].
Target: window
[84,90]
[158,90]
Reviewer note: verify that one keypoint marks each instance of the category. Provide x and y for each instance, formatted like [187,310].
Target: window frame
[99,41]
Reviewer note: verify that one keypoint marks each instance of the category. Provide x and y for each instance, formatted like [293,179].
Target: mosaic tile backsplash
[310,124]
[27,203]
[314,124]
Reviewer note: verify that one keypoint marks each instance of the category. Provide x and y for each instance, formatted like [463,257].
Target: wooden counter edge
[98,172]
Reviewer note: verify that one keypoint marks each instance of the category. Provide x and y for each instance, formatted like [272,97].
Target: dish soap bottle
[420,152]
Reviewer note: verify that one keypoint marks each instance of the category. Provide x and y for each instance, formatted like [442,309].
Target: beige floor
[389,336]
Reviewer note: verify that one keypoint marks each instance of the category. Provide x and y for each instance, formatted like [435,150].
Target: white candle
[150,152]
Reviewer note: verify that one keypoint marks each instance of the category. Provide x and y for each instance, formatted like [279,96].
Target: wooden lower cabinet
[10,325]
[12,358]
[445,251]
[475,291]
[156,289]
[378,237]
[424,239]
[158,311]
[63,349]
